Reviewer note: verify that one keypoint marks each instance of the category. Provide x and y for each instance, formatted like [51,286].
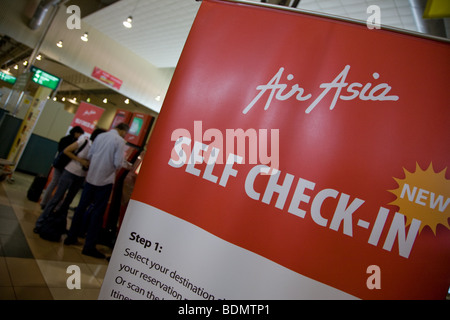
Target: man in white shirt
[106,156]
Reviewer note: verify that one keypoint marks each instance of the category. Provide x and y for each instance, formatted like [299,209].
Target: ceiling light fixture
[127,101]
[73,101]
[39,57]
[105,100]
[84,37]
[127,22]
[59,44]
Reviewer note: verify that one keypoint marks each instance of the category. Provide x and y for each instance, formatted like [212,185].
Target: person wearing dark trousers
[69,184]
[105,156]
[60,162]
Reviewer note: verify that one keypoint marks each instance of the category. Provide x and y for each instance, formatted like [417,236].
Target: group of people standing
[91,162]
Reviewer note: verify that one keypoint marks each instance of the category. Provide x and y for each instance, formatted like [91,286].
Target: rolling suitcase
[35,190]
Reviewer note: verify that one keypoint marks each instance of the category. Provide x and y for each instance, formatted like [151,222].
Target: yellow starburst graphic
[424,195]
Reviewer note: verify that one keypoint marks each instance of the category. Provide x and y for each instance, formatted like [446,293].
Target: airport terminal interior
[119,55]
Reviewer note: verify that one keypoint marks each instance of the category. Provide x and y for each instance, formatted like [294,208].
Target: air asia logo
[89,113]
[354,90]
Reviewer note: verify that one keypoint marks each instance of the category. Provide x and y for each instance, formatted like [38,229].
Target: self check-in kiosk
[121,116]
[140,127]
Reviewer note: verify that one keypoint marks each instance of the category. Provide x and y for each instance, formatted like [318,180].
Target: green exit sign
[7,78]
[44,78]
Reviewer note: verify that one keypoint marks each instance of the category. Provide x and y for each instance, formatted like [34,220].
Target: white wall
[54,121]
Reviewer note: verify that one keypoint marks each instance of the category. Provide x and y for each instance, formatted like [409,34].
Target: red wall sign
[106,78]
[359,122]
[87,117]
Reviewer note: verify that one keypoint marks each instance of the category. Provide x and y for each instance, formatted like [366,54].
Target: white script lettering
[353,91]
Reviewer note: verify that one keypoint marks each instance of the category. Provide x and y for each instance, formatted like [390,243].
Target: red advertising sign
[106,78]
[87,117]
[309,155]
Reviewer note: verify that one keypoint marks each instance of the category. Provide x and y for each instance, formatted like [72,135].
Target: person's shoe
[68,241]
[93,253]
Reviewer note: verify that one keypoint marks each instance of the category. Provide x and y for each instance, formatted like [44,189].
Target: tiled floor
[33,268]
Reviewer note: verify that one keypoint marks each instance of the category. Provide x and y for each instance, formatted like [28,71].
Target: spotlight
[127,22]
[84,37]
